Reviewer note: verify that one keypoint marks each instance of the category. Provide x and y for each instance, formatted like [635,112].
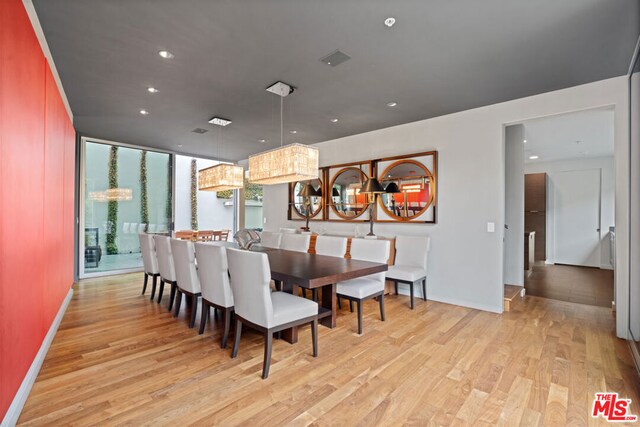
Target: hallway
[582,285]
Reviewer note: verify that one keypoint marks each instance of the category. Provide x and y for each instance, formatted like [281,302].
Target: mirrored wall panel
[410,184]
[344,197]
[306,199]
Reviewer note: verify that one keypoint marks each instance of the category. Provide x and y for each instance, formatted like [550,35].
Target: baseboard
[13,413]
[548,261]
[403,289]
[606,267]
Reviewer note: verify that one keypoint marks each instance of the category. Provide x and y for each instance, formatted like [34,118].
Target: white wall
[607,208]
[513,268]
[466,261]
[212,212]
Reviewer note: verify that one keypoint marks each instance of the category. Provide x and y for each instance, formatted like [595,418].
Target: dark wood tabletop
[310,270]
[314,271]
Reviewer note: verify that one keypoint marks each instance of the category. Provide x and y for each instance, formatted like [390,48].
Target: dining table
[304,270]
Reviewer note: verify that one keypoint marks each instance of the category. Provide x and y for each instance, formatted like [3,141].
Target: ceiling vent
[335,58]
[219,121]
[199,130]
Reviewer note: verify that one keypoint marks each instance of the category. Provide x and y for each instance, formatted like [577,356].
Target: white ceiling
[570,136]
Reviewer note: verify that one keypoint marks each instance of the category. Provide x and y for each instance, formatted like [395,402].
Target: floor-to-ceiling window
[200,210]
[253,213]
[125,191]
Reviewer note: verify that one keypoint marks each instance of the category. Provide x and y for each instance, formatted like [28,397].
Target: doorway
[559,180]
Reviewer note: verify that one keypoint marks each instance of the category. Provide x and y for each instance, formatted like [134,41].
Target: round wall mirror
[315,201]
[410,189]
[345,198]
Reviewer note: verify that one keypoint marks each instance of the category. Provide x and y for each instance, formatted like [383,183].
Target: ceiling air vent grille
[335,58]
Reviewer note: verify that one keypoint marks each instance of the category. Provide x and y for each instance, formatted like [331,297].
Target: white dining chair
[328,246]
[287,230]
[367,287]
[295,242]
[269,239]
[149,262]
[410,266]
[184,259]
[166,267]
[213,272]
[331,246]
[259,308]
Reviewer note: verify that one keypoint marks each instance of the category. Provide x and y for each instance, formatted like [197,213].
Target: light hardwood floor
[120,359]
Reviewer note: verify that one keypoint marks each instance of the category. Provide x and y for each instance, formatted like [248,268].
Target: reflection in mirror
[346,199]
[315,200]
[408,189]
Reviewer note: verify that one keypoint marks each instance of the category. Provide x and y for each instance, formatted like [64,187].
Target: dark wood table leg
[291,335]
[329,302]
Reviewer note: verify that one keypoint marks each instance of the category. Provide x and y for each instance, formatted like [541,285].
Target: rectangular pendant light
[294,162]
[221,177]
[111,195]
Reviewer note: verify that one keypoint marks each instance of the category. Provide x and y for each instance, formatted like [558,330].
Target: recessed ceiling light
[390,21]
[144,112]
[166,54]
[525,141]
[152,90]
[262,140]
[220,121]
[334,120]
[179,145]
[293,131]
[533,157]
[391,104]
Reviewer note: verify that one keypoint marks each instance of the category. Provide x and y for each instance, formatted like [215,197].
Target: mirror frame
[433,197]
[292,204]
[432,183]
[330,190]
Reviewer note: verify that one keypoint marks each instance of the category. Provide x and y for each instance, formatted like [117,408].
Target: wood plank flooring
[584,285]
[119,359]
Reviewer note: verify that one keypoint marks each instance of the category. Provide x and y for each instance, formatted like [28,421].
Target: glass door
[124,191]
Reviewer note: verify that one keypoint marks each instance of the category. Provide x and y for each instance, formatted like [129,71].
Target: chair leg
[194,311]
[236,342]
[203,317]
[351,306]
[178,303]
[381,301]
[359,317]
[314,336]
[227,324]
[395,285]
[411,291]
[146,280]
[160,291]
[424,289]
[172,297]
[339,303]
[314,294]
[266,364]
[154,283]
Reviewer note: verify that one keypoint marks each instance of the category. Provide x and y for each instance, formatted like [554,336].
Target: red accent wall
[37,155]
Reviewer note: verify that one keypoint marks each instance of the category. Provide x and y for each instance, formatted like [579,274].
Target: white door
[576,211]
